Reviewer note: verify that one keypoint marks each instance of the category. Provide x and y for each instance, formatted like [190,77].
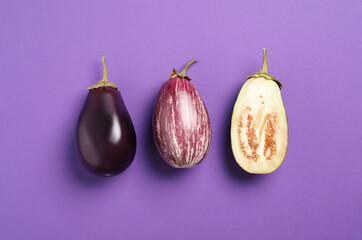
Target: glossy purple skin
[105,133]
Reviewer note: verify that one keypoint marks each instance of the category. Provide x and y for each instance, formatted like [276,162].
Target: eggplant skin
[181,124]
[105,133]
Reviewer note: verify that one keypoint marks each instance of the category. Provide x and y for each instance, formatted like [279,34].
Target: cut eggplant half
[259,128]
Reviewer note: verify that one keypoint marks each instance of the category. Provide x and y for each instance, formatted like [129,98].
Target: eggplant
[106,137]
[181,123]
[259,127]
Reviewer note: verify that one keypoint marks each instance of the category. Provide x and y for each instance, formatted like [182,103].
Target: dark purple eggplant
[105,134]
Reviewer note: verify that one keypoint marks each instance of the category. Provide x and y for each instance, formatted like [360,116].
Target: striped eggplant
[181,124]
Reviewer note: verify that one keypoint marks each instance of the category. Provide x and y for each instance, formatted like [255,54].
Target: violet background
[50,54]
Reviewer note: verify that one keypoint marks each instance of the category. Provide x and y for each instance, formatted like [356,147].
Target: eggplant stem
[183,72]
[105,77]
[264,68]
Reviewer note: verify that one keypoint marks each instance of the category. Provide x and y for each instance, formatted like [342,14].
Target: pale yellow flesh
[259,129]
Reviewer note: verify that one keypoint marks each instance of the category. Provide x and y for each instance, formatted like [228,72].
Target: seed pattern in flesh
[270,130]
[269,125]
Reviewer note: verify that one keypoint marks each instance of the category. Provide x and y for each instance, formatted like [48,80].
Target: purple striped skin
[181,124]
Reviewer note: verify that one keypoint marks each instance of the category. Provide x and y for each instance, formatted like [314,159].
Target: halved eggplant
[259,128]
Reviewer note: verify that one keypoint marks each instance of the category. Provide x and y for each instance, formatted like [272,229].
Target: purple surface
[50,55]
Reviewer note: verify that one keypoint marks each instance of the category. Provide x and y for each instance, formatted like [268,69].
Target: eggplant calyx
[266,76]
[182,74]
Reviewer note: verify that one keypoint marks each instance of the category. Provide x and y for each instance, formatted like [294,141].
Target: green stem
[105,77]
[183,72]
[264,68]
